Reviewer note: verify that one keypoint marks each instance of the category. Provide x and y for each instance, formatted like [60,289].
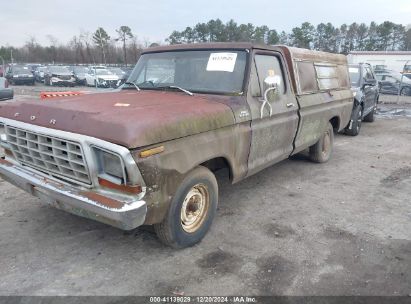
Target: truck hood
[128,118]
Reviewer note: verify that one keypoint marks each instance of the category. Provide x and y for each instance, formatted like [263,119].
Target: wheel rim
[195,207]
[326,143]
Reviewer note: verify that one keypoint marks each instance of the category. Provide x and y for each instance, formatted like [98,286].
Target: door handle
[289,105]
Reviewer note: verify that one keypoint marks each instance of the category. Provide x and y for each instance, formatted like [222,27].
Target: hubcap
[195,207]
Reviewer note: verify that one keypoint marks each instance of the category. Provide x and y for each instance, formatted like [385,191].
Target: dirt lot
[297,228]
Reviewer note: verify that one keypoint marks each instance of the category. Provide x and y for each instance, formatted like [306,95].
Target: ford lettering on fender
[146,154]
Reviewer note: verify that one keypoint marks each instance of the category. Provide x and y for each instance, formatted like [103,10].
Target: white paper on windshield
[353,70]
[223,62]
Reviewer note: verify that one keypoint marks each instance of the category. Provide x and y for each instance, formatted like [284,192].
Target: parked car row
[53,75]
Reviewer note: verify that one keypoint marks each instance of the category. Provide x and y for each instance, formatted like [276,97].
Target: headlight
[354,94]
[3,136]
[30,75]
[110,166]
[15,76]
[3,140]
[2,155]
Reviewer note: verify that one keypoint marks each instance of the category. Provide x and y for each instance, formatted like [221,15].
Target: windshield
[21,70]
[398,77]
[393,77]
[117,70]
[79,69]
[58,69]
[215,71]
[354,75]
[103,72]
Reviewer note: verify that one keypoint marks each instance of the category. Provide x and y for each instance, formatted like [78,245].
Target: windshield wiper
[178,88]
[136,86]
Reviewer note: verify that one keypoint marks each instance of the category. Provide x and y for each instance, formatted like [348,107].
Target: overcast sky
[155,20]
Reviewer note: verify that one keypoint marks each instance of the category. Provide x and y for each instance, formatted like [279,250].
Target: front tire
[321,151]
[191,210]
[356,122]
[370,117]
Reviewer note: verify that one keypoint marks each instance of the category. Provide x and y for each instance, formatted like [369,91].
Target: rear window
[314,77]
[327,77]
[307,77]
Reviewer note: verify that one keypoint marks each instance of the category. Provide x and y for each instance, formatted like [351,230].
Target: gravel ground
[297,228]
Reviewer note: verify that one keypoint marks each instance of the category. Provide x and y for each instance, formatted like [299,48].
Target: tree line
[86,48]
[124,48]
[386,36]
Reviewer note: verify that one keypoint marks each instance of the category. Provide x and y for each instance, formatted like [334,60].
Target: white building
[392,60]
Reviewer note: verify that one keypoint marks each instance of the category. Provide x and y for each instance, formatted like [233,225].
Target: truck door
[274,121]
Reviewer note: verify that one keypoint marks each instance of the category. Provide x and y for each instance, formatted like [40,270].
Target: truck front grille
[55,156]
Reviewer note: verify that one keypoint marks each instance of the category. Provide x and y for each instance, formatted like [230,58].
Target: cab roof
[290,52]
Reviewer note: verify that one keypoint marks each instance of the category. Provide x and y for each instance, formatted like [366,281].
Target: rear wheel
[356,121]
[322,150]
[191,210]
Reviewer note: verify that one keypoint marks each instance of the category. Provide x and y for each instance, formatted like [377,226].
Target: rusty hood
[128,118]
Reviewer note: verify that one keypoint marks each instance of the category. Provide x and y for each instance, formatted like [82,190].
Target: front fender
[163,172]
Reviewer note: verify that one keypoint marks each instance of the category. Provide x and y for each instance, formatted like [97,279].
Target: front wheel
[356,122]
[370,117]
[191,210]
[321,151]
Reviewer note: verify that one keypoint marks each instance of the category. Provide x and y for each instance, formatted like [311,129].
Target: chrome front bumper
[85,203]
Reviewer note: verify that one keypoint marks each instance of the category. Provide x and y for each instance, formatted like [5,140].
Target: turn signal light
[123,188]
[152,151]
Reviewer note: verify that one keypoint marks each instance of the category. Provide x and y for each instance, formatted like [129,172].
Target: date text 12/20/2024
[203,299]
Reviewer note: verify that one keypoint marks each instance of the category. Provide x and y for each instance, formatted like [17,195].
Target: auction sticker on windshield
[223,62]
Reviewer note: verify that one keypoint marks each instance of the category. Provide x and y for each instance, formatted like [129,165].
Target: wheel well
[335,122]
[218,163]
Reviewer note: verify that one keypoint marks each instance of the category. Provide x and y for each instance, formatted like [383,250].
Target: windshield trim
[246,69]
[177,91]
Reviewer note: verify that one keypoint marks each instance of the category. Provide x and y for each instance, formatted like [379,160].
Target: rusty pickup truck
[146,154]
